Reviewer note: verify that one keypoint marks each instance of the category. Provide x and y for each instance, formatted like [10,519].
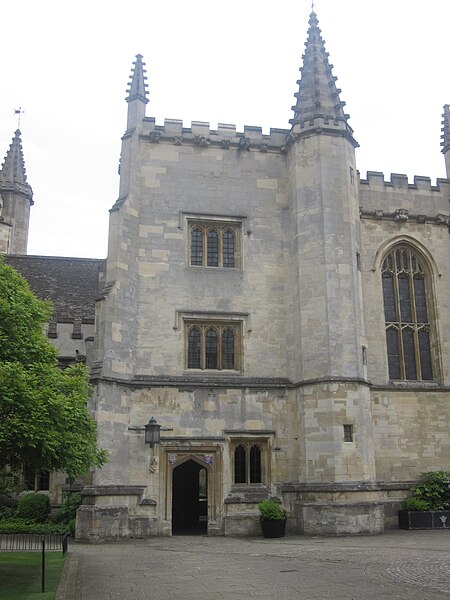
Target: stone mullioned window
[213,346]
[214,244]
[407,302]
[247,463]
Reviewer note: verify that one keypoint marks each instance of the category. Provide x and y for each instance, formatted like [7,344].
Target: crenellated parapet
[403,202]
[398,181]
[199,134]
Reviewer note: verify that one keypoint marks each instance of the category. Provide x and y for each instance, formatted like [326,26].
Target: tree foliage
[44,420]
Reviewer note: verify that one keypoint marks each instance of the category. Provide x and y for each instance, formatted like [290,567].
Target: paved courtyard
[400,564]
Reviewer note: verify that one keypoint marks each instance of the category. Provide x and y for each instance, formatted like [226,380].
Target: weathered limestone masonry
[285,322]
[410,418]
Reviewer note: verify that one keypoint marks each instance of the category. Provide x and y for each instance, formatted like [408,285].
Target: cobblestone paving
[404,565]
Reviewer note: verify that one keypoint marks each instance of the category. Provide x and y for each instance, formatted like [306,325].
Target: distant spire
[445,137]
[13,175]
[137,89]
[318,101]
[19,112]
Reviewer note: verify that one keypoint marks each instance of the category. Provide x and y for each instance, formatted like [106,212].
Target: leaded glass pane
[406,261]
[425,355]
[420,299]
[390,309]
[404,288]
[44,481]
[389,262]
[393,353]
[228,349]
[240,475]
[194,345]
[228,248]
[255,464]
[405,299]
[211,349]
[213,248]
[196,246]
[409,356]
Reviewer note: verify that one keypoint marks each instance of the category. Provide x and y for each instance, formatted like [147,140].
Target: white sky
[68,64]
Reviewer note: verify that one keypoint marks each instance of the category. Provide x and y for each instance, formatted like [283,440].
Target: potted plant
[429,506]
[273,519]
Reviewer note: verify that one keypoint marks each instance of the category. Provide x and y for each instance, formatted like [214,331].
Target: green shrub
[7,512]
[33,507]
[271,511]
[433,489]
[415,504]
[68,510]
[70,527]
[25,526]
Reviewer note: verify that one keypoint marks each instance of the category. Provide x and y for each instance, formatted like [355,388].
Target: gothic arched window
[240,464]
[406,297]
[247,463]
[194,348]
[196,246]
[212,248]
[228,248]
[211,349]
[228,349]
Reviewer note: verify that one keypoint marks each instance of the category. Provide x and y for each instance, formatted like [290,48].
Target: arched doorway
[189,499]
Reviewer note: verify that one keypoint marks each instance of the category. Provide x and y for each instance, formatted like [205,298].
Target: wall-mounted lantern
[152,432]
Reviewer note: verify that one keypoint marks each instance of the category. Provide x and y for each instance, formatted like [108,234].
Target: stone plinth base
[343,508]
[115,512]
[341,519]
[242,524]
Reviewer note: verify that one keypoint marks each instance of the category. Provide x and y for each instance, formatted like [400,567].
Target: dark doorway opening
[190,499]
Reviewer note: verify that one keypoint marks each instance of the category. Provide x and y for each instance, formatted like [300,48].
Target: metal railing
[33,541]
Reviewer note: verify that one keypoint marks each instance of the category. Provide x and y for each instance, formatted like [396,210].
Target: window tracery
[247,463]
[213,346]
[407,302]
[214,244]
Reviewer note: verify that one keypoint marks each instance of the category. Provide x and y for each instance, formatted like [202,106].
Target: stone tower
[16,198]
[325,286]
[243,318]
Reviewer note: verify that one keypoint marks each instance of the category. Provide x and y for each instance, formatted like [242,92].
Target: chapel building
[274,325]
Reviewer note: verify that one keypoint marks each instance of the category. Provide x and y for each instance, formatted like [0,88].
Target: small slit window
[348,433]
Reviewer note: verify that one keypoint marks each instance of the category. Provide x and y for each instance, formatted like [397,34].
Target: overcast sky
[68,64]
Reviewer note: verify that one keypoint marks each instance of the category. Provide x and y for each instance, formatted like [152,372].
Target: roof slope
[71,284]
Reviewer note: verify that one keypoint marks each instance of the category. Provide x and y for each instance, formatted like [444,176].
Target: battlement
[376,181]
[225,136]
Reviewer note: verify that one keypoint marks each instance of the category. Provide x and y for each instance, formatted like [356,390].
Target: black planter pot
[427,519]
[274,529]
